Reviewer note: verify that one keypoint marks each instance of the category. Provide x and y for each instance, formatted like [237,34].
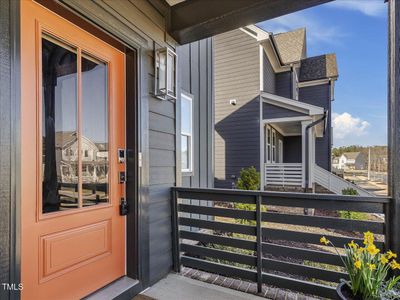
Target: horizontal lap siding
[283,84]
[237,67]
[319,95]
[5,145]
[268,76]
[272,112]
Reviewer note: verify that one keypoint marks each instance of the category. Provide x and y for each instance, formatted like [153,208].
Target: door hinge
[140,159]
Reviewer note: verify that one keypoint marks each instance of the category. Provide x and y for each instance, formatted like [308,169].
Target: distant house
[350,161]
[268,94]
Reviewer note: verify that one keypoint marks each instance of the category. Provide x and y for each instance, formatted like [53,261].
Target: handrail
[344,183]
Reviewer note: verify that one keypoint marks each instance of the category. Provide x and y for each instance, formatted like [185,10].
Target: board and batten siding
[237,76]
[195,65]
[319,95]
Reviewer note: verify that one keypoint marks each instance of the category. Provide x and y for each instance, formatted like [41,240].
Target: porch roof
[294,105]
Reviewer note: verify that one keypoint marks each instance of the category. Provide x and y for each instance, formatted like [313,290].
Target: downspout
[308,127]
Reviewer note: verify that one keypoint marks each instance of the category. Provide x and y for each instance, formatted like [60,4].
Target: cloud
[316,31]
[372,8]
[345,125]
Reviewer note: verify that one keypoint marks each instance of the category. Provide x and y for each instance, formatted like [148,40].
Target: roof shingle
[318,67]
[291,45]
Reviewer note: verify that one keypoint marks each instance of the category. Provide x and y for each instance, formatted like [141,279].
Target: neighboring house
[268,77]
[350,161]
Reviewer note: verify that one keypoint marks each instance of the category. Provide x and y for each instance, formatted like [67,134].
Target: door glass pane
[59,126]
[95,161]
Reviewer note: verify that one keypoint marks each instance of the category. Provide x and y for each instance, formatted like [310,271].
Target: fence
[283,174]
[287,256]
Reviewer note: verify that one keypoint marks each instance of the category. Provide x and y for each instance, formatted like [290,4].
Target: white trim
[188,134]
[314,82]
[273,57]
[261,68]
[291,104]
[287,119]
[262,141]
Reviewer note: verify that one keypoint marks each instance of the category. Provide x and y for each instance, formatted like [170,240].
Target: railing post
[259,242]
[175,232]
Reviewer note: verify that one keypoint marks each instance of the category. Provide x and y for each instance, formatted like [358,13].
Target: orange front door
[72,125]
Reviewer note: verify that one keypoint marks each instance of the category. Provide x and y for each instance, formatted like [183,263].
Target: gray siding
[283,84]
[5,146]
[273,112]
[195,77]
[268,76]
[196,68]
[292,149]
[237,143]
[320,95]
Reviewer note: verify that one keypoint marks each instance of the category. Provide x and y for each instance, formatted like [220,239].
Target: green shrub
[352,215]
[349,191]
[249,179]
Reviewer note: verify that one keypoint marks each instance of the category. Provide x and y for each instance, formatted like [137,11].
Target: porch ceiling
[292,128]
[198,19]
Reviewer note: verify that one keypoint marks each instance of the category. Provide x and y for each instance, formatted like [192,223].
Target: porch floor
[198,285]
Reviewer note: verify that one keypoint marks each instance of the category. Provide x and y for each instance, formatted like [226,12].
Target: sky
[356,30]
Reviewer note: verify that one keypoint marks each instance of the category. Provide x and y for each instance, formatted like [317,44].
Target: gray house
[270,98]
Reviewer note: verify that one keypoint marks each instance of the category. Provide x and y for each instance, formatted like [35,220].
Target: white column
[262,138]
[303,150]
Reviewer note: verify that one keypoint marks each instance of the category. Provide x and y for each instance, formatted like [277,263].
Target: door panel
[72,124]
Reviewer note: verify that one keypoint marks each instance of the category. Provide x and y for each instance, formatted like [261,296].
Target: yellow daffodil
[360,250]
[394,265]
[353,245]
[372,249]
[371,266]
[390,255]
[384,260]
[323,240]
[368,238]
[357,264]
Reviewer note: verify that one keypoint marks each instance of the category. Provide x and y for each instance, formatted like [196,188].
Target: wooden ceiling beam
[194,20]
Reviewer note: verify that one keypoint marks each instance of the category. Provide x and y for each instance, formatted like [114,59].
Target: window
[280,151]
[273,154]
[187,132]
[268,142]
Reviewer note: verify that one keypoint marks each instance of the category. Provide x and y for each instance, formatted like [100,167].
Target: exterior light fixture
[165,74]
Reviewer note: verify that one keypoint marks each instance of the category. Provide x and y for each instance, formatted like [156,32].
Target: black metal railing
[268,242]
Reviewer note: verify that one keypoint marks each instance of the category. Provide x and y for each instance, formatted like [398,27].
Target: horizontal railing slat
[217,211]
[300,285]
[309,238]
[302,254]
[332,203]
[228,227]
[271,279]
[219,254]
[239,198]
[324,222]
[218,268]
[216,239]
[303,270]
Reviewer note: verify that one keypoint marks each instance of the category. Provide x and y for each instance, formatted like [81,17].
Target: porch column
[394,125]
[303,152]
[262,150]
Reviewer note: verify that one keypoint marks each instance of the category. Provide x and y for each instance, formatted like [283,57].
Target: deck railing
[268,241]
[283,174]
